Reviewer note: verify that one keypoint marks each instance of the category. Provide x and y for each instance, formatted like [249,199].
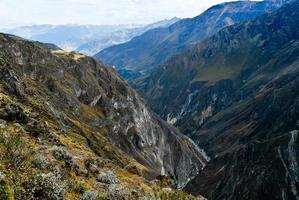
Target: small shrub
[164,194]
[4,192]
[62,154]
[4,195]
[50,186]
[107,177]
[14,151]
[90,195]
[41,186]
[77,187]
[117,192]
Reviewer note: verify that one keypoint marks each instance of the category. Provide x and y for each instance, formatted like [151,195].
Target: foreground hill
[70,128]
[236,94]
[156,46]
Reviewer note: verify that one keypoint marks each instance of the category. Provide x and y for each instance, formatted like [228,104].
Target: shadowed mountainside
[236,95]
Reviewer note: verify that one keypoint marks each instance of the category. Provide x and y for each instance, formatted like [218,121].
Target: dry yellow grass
[132,181]
[90,113]
[73,55]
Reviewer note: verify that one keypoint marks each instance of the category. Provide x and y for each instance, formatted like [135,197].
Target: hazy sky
[24,12]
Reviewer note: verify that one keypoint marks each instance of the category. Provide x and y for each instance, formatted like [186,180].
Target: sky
[99,12]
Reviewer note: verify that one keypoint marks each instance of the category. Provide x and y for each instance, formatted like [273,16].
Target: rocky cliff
[70,125]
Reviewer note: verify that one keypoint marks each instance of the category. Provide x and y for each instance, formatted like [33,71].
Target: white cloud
[20,12]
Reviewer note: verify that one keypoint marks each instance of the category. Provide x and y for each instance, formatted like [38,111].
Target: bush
[4,192]
[170,194]
[90,195]
[14,152]
[50,186]
[77,187]
[4,195]
[15,157]
[41,186]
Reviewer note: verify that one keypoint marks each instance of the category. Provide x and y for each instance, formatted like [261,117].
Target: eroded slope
[83,127]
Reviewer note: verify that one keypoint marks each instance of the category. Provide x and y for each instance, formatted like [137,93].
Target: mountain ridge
[152,48]
[87,39]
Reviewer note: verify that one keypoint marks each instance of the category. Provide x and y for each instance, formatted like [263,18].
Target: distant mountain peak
[152,48]
[87,39]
